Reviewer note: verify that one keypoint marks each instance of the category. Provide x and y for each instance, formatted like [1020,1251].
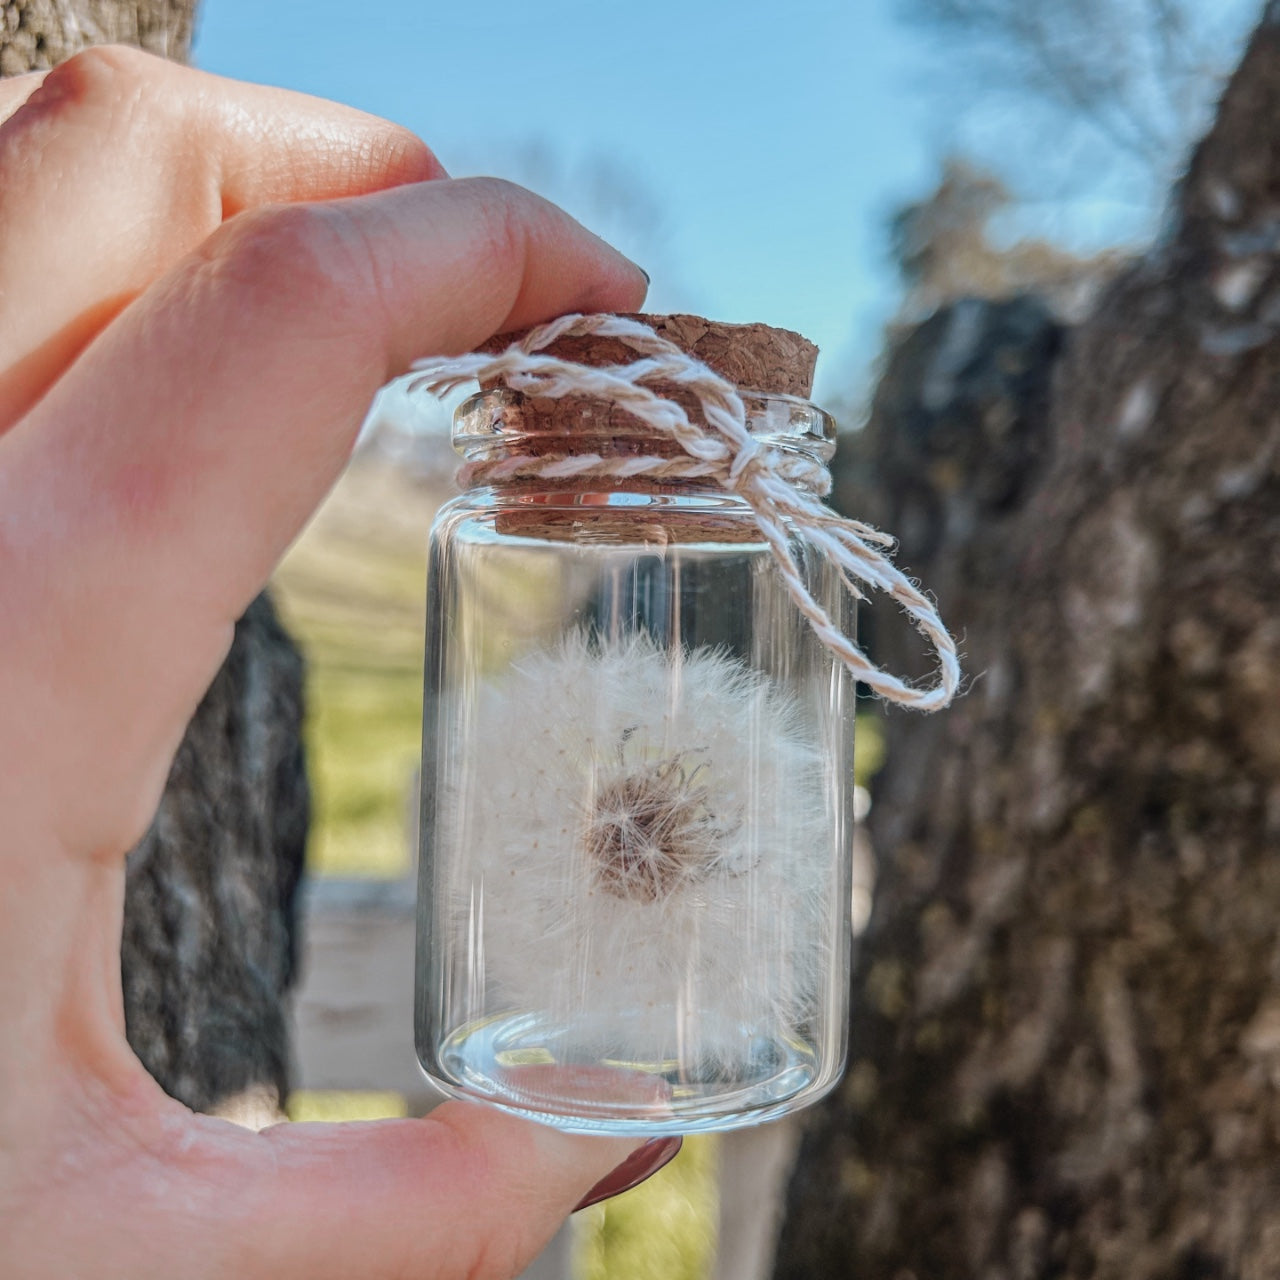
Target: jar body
[637,809]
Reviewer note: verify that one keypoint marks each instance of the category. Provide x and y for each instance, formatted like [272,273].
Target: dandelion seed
[651,828]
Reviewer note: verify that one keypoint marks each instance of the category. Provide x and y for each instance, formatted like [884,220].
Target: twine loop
[783,489]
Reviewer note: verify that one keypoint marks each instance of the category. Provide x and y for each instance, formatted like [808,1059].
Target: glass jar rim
[496,419]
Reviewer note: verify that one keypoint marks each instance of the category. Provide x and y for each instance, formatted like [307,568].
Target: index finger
[145,501]
[117,164]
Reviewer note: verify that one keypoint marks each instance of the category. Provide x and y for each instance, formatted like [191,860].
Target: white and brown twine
[783,489]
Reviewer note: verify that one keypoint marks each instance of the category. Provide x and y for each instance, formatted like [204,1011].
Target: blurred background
[761,161]
[842,169]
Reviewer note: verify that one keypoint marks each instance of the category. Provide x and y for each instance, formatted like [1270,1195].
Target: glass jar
[637,794]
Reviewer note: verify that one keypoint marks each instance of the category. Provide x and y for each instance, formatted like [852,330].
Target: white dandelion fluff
[642,850]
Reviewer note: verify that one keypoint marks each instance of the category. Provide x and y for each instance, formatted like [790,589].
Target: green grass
[339,1104]
[663,1230]
[363,740]
[353,593]
[868,754]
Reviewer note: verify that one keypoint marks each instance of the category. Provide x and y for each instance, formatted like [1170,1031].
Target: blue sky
[746,153]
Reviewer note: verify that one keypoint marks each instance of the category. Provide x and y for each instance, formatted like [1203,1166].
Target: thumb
[469,1191]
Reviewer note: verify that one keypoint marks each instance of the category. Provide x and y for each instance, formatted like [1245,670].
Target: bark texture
[209,936]
[1065,1053]
[210,932]
[38,34]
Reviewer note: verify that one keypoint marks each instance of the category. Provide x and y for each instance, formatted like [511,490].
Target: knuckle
[99,78]
[495,190]
[402,152]
[506,212]
[308,258]
[272,240]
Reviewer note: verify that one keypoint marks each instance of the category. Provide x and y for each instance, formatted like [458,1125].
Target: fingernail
[642,1163]
[647,278]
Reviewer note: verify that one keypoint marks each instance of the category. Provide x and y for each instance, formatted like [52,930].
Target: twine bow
[783,490]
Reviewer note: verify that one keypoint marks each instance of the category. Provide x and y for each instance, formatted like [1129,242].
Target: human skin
[202,284]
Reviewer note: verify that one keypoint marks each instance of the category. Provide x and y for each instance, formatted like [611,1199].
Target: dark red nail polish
[642,1163]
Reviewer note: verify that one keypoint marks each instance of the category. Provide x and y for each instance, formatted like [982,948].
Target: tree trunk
[210,928]
[209,934]
[1065,1052]
[38,34]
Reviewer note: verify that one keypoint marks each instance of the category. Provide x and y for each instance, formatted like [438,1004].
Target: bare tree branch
[1139,72]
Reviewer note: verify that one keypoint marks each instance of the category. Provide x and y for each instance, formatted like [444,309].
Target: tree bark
[210,932]
[1065,1051]
[38,34]
[210,936]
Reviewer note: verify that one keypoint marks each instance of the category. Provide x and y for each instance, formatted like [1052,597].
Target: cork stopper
[754,357]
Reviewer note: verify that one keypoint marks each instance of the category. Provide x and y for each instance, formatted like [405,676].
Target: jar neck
[503,435]
[657,515]
[600,491]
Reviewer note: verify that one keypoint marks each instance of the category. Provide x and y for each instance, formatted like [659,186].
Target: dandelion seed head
[671,860]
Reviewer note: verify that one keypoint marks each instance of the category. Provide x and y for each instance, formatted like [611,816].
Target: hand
[186,353]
